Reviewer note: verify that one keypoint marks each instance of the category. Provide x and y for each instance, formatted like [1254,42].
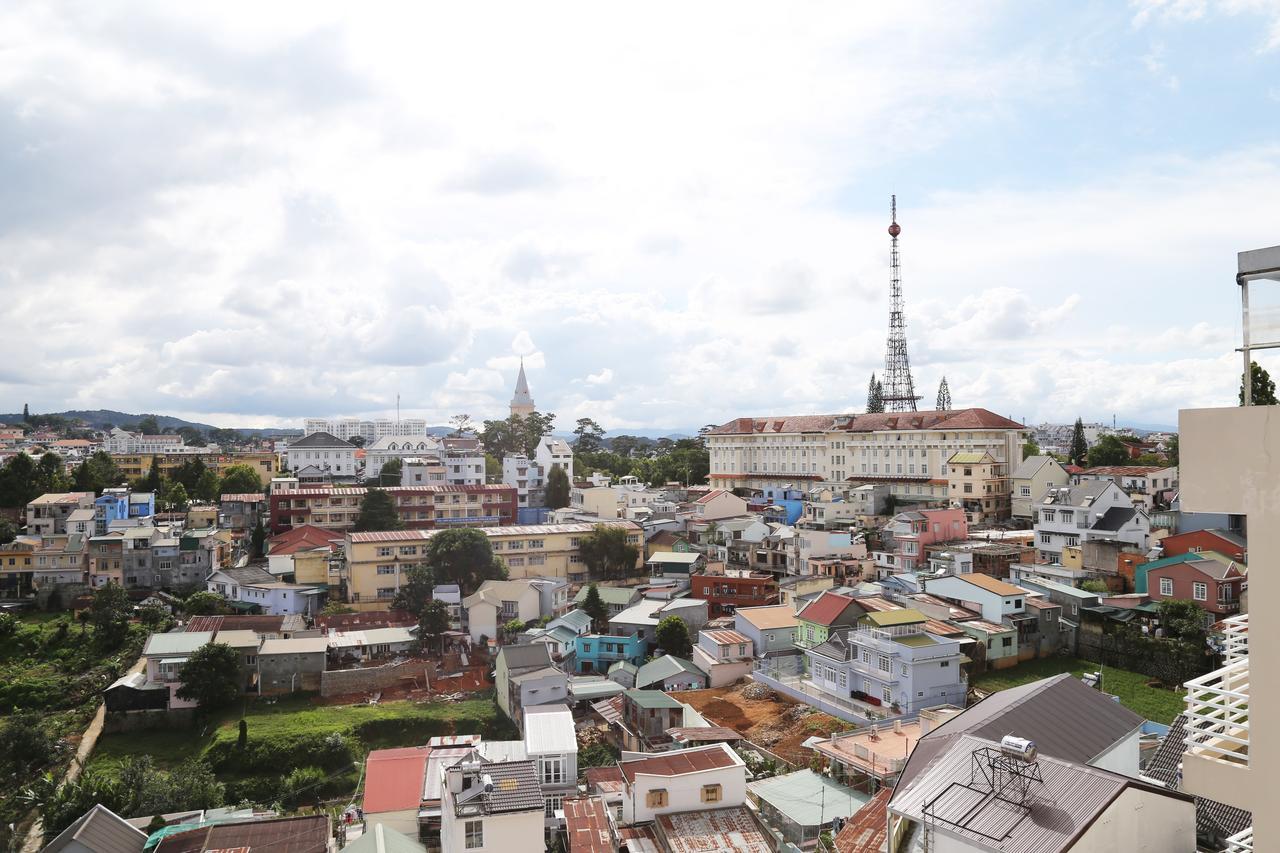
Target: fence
[788,679]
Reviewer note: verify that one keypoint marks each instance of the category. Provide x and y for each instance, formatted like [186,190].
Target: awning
[164,661]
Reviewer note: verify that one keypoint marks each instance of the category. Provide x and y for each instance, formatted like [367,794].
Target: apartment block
[419,507]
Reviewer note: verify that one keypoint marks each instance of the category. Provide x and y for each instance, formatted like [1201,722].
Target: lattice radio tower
[899,389]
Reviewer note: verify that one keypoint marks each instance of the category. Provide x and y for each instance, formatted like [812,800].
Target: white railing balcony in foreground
[1235,638]
[1241,842]
[1218,714]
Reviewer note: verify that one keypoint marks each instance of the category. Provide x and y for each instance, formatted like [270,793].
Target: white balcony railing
[1241,842]
[1218,714]
[1235,638]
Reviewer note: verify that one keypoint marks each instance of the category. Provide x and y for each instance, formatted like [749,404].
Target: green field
[294,733]
[1152,703]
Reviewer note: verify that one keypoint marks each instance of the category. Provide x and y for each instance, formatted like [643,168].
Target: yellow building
[377,563]
[313,567]
[135,466]
[202,515]
[979,484]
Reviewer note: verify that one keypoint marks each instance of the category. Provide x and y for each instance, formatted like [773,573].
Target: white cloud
[604,377]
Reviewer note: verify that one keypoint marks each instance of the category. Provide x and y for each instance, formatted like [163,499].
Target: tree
[8,532]
[875,396]
[462,425]
[465,557]
[258,541]
[673,637]
[531,430]
[1171,450]
[557,488]
[378,512]
[593,605]
[242,737]
[154,616]
[511,628]
[357,440]
[18,481]
[1262,387]
[1183,620]
[174,496]
[432,624]
[390,470]
[109,615]
[1097,586]
[607,554]
[1108,451]
[207,487]
[148,425]
[336,608]
[25,746]
[589,435]
[1030,448]
[26,413]
[152,482]
[211,676]
[415,594]
[1079,446]
[501,438]
[51,474]
[97,473]
[944,396]
[239,480]
[205,603]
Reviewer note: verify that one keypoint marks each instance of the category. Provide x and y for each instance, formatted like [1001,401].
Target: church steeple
[522,400]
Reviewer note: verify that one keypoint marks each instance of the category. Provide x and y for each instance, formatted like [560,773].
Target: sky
[248,214]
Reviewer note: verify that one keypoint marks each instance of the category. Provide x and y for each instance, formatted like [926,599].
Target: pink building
[903,539]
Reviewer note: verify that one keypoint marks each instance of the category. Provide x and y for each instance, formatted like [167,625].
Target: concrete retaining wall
[339,681]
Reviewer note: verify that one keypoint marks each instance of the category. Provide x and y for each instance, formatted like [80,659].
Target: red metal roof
[825,609]
[393,779]
[973,418]
[586,823]
[726,638]
[866,830]
[678,763]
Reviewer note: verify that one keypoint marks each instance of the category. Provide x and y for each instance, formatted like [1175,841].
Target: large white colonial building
[906,450]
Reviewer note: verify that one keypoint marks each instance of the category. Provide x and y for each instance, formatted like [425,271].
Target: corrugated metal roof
[182,643]
[731,830]
[549,729]
[394,778]
[808,798]
[101,831]
[770,616]
[1071,798]
[1067,720]
[726,638]
[683,761]
[586,824]
[901,616]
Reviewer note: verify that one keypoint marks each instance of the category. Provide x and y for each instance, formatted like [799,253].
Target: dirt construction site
[774,722]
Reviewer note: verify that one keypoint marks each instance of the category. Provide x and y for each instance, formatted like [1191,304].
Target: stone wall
[339,681]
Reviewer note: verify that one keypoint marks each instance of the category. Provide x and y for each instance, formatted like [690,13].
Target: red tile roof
[393,779]
[303,537]
[307,834]
[974,418]
[710,496]
[586,823]
[367,619]
[678,763]
[825,609]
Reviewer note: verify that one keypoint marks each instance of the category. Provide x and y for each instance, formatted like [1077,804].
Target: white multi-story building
[387,448]
[492,806]
[709,777]
[325,452]
[1067,516]
[554,453]
[463,461]
[528,479]
[421,471]
[906,450]
[120,441]
[368,429]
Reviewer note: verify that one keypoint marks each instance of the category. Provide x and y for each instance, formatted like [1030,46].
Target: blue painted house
[117,504]
[598,652]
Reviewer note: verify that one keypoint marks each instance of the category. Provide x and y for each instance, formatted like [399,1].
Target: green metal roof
[889,618]
[967,457]
[651,699]
[916,641]
[659,670]
[808,798]
[608,594]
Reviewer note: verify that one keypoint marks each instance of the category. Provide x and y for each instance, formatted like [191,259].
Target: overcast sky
[249,214]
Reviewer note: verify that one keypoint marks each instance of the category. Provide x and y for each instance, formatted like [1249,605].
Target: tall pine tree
[1079,447]
[944,396]
[875,396]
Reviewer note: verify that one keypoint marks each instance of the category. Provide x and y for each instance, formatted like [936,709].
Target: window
[884,664]
[385,551]
[944,663]
[552,770]
[711,793]
[1166,586]
[887,695]
[1026,491]
[1006,642]
[1199,591]
[474,832]
[553,803]
[656,799]
[386,570]
[1045,539]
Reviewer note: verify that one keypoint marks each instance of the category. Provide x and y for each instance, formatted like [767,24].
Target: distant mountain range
[101,418]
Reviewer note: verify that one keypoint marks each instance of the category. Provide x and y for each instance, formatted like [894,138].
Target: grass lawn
[1153,703]
[289,733]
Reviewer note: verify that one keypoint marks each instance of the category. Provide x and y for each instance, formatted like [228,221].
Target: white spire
[522,400]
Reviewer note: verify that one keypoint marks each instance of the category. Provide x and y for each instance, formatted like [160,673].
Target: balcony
[1218,714]
[1241,842]
[1235,638]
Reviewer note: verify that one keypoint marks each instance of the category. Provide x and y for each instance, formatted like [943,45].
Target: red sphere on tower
[895,229]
